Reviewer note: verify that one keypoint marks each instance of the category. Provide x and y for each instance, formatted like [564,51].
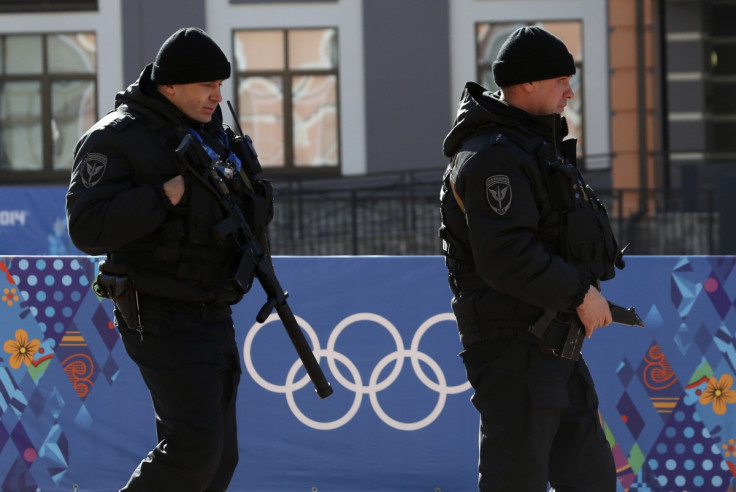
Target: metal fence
[398,214]
[665,222]
[386,214]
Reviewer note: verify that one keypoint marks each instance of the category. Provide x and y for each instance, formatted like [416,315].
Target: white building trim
[222,18]
[107,26]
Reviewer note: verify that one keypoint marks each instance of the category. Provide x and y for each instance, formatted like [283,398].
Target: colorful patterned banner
[74,411]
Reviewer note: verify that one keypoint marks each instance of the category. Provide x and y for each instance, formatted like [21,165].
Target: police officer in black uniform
[526,244]
[154,213]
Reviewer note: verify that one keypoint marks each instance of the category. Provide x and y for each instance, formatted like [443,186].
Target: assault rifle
[576,334]
[256,262]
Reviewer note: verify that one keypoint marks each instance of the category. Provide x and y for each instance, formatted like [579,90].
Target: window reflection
[69,53]
[20,123]
[312,48]
[261,103]
[315,120]
[259,50]
[72,113]
[23,55]
[48,95]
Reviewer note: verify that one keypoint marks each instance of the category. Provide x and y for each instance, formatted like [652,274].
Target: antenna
[235,119]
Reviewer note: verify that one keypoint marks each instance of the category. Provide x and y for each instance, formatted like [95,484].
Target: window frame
[286,75]
[47,173]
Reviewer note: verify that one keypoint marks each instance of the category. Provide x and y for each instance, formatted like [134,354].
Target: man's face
[197,100]
[550,96]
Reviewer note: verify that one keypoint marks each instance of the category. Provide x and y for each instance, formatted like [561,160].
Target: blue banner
[74,410]
[32,221]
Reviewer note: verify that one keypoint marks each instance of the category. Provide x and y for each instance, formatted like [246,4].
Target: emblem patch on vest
[92,169]
[498,193]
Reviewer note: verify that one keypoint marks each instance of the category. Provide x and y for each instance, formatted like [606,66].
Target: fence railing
[388,214]
[398,214]
[664,222]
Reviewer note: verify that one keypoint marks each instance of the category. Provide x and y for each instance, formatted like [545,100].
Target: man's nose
[569,93]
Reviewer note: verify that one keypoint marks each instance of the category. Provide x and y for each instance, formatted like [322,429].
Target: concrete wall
[407,79]
[146,25]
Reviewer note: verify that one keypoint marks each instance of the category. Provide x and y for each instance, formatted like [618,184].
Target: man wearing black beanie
[153,213]
[527,244]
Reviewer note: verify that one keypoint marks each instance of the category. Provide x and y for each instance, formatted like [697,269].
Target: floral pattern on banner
[39,299]
[21,349]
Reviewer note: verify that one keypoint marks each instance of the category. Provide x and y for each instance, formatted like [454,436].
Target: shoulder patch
[498,193]
[92,169]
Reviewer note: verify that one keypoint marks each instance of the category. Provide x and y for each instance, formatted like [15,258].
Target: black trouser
[539,421]
[189,361]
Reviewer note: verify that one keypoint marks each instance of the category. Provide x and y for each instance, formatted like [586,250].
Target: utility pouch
[122,291]
[257,205]
[589,242]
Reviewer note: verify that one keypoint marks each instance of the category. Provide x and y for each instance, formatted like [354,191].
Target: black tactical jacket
[116,204]
[503,220]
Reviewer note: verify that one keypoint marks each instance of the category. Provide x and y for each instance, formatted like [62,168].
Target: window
[287,96]
[47,100]
[490,37]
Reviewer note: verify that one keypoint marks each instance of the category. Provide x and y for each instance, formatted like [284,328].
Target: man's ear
[166,89]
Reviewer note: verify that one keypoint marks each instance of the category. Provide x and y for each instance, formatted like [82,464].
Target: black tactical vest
[186,259]
[578,229]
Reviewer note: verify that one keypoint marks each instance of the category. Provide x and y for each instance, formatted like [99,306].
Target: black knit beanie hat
[529,54]
[189,55]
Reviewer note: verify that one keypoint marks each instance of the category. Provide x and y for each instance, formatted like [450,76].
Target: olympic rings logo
[355,383]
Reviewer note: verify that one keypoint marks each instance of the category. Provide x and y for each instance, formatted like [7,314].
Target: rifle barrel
[321,385]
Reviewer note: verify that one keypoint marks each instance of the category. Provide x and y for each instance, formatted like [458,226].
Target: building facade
[350,88]
[341,87]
